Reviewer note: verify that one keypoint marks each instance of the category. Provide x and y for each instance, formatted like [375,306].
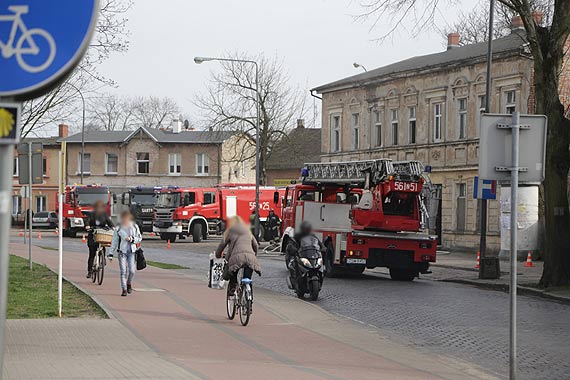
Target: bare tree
[154,112]
[229,104]
[63,101]
[548,43]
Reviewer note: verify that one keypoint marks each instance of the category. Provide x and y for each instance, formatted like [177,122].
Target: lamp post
[359,66]
[82,162]
[200,60]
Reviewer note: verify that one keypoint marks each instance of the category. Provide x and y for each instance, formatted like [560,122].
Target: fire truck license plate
[356,261]
[406,186]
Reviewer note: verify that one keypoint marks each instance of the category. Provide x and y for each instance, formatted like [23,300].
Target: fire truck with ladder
[367,213]
[78,203]
[200,212]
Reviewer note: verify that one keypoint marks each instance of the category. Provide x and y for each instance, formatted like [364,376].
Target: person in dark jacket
[98,219]
[302,239]
[273,223]
[241,251]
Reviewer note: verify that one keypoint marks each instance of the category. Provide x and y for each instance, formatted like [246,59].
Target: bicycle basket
[104,237]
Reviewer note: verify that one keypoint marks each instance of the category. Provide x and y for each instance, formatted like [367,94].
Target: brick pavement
[185,322]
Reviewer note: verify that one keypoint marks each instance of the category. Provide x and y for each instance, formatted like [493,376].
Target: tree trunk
[557,219]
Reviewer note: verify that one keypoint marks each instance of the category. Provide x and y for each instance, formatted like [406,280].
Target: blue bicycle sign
[26,45]
[41,42]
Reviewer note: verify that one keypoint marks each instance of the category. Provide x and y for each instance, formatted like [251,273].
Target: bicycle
[241,300]
[103,238]
[26,45]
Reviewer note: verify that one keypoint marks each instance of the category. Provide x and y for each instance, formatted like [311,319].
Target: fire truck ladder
[357,172]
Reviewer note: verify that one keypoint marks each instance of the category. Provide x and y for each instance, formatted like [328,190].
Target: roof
[159,136]
[46,141]
[506,46]
[302,145]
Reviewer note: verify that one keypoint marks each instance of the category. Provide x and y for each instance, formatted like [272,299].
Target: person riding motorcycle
[98,219]
[303,240]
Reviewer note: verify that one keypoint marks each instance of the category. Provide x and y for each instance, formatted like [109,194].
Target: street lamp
[359,66]
[82,132]
[200,60]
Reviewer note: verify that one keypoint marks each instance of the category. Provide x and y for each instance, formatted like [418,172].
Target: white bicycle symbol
[28,36]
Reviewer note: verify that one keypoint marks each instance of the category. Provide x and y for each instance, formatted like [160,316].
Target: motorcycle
[306,271]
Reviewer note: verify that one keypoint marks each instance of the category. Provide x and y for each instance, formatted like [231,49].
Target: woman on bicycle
[241,252]
[125,241]
[98,219]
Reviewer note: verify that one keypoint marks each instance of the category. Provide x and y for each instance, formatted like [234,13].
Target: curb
[523,290]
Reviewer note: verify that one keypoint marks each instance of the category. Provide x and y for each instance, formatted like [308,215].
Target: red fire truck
[78,204]
[200,212]
[368,213]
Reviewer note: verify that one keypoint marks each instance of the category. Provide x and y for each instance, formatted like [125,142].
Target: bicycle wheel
[102,263]
[35,40]
[231,305]
[245,306]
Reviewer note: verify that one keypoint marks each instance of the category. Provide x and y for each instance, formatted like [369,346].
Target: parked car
[45,219]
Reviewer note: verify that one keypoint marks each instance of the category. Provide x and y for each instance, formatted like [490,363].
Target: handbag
[141,261]
[215,273]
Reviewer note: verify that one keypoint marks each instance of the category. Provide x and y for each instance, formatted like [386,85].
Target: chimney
[177,126]
[517,23]
[453,40]
[63,131]
[300,123]
[537,17]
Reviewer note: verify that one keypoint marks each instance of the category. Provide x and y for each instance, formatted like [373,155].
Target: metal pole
[6,162]
[257,150]
[82,133]
[30,179]
[514,246]
[60,239]
[484,206]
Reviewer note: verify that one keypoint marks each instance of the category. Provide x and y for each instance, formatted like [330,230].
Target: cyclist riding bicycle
[241,252]
[98,219]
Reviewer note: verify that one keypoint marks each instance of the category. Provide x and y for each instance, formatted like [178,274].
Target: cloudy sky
[318,40]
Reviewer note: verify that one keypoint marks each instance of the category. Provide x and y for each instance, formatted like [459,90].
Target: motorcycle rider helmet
[306,228]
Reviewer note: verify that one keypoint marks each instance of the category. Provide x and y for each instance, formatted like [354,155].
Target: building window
[378,128]
[355,131]
[202,164]
[482,104]
[16,171]
[44,167]
[335,133]
[438,122]
[174,163]
[143,163]
[111,163]
[461,206]
[16,205]
[510,102]
[412,125]
[394,127]
[41,203]
[462,105]
[86,164]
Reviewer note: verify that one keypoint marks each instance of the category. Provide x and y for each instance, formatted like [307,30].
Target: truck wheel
[164,236]
[402,274]
[197,232]
[172,237]
[71,232]
[330,270]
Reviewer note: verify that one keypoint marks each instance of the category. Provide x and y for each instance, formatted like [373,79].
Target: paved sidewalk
[459,267]
[184,322]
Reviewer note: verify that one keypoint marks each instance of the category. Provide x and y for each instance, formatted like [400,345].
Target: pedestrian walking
[98,219]
[126,241]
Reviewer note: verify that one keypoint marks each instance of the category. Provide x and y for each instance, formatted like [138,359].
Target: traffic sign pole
[6,162]
[60,239]
[30,181]
[515,127]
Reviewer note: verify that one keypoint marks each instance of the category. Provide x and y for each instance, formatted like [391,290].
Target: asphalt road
[432,316]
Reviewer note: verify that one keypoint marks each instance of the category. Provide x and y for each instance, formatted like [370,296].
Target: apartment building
[428,108]
[155,157]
